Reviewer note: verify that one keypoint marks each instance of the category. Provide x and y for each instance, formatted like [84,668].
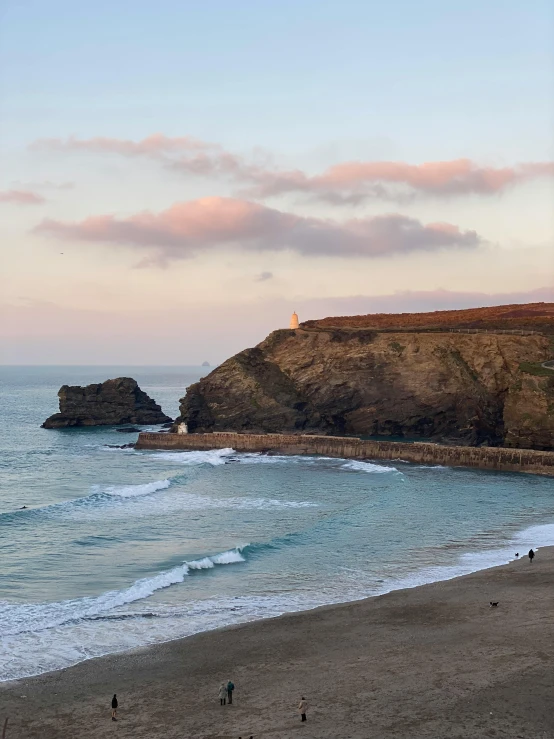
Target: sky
[179,176]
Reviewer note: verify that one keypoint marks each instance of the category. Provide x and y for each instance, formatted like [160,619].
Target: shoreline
[501,459]
[446,625]
[425,575]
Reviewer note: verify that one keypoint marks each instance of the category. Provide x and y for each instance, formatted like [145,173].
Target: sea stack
[110,403]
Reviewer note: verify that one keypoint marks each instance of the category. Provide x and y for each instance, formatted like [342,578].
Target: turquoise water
[121,548]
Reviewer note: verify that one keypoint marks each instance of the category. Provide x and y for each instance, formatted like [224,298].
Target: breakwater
[486,458]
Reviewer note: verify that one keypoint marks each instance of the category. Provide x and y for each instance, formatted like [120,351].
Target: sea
[117,548]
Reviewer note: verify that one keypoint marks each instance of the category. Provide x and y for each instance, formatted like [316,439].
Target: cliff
[429,380]
[111,403]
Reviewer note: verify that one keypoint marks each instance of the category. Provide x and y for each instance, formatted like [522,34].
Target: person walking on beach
[222,694]
[302,708]
[230,688]
[531,555]
[114,707]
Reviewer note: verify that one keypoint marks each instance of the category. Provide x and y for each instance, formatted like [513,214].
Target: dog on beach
[493,604]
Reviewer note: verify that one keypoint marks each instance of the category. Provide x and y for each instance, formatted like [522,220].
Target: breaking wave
[359,466]
[18,619]
[132,491]
[216,457]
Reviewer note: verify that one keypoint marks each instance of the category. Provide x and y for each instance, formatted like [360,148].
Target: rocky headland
[110,403]
[468,377]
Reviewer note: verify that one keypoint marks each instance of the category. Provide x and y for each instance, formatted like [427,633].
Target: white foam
[228,558]
[132,491]
[201,564]
[215,457]
[469,562]
[17,619]
[541,535]
[225,558]
[359,466]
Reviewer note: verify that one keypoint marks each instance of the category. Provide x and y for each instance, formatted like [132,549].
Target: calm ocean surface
[121,548]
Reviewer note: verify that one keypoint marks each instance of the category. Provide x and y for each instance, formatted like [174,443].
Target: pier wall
[486,458]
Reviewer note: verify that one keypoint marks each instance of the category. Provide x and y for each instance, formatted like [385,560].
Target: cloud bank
[348,182]
[189,228]
[357,181]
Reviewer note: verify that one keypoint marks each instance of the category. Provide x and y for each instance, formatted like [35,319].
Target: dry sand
[433,661]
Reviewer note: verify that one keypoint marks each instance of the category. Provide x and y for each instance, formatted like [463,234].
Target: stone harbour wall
[486,458]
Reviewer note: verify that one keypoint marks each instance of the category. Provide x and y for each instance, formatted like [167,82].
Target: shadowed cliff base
[474,377]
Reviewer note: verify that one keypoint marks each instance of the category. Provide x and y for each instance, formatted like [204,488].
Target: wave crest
[360,466]
[18,619]
[132,491]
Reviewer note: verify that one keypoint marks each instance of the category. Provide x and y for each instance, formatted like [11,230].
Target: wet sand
[433,661]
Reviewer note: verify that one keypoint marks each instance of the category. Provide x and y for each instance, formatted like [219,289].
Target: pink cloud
[355,181]
[348,182]
[188,228]
[21,197]
[183,154]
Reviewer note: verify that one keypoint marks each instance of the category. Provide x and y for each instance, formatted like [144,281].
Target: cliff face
[114,402]
[529,409]
[472,388]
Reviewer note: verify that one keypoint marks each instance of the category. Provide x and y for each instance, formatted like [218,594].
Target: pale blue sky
[438,78]
[307,83]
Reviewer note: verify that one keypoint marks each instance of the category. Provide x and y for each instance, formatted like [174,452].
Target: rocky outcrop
[456,386]
[110,403]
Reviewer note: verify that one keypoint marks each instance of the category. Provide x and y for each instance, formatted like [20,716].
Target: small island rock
[110,403]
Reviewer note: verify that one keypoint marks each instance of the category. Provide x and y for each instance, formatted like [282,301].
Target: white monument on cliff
[293,321]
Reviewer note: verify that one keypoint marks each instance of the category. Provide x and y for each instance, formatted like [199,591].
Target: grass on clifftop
[536,368]
[527,317]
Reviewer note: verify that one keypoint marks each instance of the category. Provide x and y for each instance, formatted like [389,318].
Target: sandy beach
[433,661]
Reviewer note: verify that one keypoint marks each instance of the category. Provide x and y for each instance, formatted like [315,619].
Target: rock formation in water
[110,403]
[473,377]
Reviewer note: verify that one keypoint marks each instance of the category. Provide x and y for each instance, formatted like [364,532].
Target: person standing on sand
[230,688]
[222,694]
[531,555]
[114,707]
[302,708]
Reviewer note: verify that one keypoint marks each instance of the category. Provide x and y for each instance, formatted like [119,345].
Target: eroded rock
[110,403]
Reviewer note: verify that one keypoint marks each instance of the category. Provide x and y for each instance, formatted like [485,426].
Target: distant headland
[470,377]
